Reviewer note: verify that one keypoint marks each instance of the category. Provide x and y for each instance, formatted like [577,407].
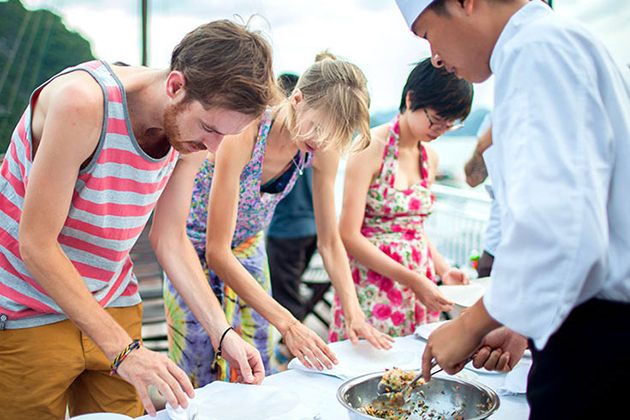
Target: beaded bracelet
[217,355]
[118,360]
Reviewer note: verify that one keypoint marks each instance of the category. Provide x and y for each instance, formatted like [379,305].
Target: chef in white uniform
[561,130]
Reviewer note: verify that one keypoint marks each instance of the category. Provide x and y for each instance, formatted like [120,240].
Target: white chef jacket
[492,237]
[561,130]
[493,230]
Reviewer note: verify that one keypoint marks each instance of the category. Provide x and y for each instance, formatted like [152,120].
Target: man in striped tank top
[96,151]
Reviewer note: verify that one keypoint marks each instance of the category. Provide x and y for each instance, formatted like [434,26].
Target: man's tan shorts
[43,369]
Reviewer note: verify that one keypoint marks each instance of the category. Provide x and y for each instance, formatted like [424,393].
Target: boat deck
[149,273]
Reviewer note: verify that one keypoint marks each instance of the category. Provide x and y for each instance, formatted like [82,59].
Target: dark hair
[287,82]
[226,65]
[439,6]
[436,88]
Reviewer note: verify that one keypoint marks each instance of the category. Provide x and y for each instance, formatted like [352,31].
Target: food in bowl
[394,385]
[396,379]
[445,398]
[417,409]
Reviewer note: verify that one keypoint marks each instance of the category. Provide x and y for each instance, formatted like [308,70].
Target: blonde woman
[234,196]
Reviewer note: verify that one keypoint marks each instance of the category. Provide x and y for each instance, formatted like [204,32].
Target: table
[320,391]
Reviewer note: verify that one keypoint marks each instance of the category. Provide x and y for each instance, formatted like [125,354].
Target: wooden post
[145,24]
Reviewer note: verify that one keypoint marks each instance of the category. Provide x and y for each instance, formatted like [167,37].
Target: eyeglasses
[443,126]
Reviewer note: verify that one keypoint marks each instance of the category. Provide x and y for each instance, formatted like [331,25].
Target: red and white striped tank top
[113,199]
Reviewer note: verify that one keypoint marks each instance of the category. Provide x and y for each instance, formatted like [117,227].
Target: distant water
[453,153]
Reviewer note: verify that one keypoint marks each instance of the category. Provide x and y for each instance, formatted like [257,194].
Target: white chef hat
[411,9]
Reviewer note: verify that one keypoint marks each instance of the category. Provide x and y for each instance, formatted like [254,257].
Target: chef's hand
[308,347]
[452,344]
[244,357]
[143,367]
[455,276]
[500,350]
[357,328]
[430,295]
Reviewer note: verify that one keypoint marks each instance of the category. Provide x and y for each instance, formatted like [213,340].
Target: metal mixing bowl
[449,397]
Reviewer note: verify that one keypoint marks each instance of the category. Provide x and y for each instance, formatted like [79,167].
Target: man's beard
[171,128]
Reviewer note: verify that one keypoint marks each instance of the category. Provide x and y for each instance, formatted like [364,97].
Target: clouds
[370,33]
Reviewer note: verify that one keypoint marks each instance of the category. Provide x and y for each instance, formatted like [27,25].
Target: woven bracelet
[118,360]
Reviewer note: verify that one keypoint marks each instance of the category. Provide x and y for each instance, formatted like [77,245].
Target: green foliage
[34,45]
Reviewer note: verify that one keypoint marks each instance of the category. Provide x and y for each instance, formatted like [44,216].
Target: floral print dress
[393,222]
[189,344]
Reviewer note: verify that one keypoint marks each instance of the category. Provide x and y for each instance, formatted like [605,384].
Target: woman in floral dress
[387,197]
[234,196]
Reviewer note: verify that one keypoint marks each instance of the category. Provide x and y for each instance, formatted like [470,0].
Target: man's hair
[226,65]
[339,89]
[439,6]
[436,88]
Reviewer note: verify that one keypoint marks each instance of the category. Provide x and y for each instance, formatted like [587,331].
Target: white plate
[462,374]
[483,371]
[363,358]
[227,401]
[525,360]
[101,416]
[466,295]
[260,405]
[424,331]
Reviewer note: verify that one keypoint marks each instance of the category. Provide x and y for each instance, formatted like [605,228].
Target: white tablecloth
[319,391]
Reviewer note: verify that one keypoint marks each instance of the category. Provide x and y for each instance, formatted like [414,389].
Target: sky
[369,33]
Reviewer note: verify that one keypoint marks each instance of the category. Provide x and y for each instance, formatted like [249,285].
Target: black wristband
[218,353]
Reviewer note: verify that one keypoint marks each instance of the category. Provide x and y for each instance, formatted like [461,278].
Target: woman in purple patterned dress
[235,194]
[387,197]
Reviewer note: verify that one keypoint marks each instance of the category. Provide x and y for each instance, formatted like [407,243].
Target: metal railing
[458,223]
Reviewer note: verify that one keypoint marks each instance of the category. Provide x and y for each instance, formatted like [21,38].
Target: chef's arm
[475,168]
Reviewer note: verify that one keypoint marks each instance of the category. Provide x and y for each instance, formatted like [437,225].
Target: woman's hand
[244,357]
[455,276]
[429,294]
[308,347]
[359,328]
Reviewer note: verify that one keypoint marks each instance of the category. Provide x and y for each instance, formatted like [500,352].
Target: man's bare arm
[68,127]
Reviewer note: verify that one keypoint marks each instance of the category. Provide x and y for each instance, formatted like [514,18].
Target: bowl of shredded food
[442,398]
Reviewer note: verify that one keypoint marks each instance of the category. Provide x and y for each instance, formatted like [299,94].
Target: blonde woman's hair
[338,89]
